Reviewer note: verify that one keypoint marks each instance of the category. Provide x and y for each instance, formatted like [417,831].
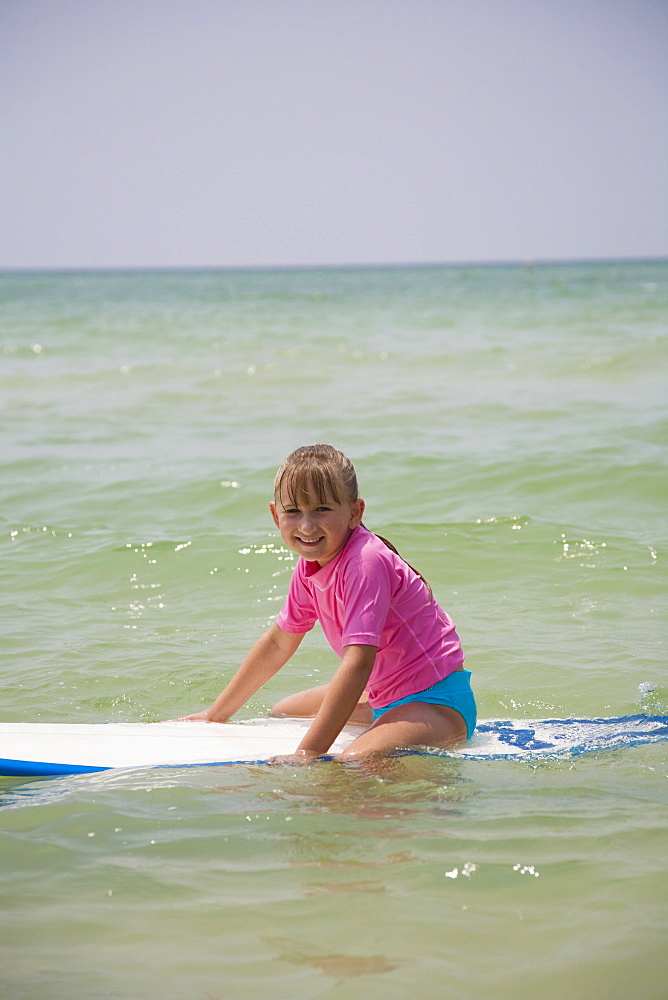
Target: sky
[237,133]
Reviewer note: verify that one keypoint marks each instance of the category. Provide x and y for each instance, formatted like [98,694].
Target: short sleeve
[368,587]
[298,614]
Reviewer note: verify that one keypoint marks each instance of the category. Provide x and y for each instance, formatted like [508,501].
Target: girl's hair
[323,471]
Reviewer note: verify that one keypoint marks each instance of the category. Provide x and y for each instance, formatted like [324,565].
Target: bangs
[315,474]
[300,485]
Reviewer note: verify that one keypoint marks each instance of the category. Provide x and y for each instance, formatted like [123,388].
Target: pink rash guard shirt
[367,595]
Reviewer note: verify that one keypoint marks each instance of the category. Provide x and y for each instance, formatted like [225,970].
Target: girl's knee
[302,704]
[306,705]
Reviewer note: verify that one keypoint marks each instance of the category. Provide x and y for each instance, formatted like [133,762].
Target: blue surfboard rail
[42,769]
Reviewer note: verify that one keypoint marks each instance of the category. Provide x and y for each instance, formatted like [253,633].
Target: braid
[416,571]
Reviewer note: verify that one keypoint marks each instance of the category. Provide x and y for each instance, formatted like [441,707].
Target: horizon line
[181,268]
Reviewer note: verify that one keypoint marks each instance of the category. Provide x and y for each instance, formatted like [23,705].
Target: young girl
[401,660]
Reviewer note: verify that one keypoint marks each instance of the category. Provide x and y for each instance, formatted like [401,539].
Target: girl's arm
[266,658]
[343,693]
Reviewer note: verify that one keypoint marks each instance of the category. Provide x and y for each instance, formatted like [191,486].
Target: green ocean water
[509,428]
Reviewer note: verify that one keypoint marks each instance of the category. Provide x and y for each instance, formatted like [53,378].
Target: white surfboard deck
[40,749]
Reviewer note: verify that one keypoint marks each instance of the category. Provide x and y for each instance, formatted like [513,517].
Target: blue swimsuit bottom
[454,691]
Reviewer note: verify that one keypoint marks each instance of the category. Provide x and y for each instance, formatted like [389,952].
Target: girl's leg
[414,724]
[306,704]
[302,704]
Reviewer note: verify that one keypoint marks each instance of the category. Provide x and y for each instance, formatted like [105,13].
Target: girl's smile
[316,530]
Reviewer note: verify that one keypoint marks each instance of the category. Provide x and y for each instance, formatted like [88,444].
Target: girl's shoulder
[368,549]
[363,540]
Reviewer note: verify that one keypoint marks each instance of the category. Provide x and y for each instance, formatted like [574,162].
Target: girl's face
[315,529]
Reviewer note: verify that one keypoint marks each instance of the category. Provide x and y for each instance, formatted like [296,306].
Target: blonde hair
[324,472]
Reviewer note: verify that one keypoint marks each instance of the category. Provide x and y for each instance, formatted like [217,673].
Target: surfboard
[37,749]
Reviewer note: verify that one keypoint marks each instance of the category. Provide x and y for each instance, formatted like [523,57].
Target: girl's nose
[307,523]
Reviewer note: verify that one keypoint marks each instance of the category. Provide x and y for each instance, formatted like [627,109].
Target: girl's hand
[204,716]
[297,758]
